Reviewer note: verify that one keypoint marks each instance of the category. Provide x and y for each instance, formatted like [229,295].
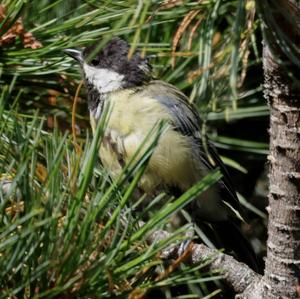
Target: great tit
[180,158]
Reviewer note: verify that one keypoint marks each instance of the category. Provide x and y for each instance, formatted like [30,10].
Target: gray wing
[187,121]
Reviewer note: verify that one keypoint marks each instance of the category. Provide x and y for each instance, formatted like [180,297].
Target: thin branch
[236,274]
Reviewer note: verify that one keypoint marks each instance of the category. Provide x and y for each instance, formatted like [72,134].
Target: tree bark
[282,271]
[282,90]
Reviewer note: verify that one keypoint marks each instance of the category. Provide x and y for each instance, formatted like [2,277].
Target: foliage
[56,236]
[65,231]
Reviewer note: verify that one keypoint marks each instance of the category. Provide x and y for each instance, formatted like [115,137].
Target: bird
[180,158]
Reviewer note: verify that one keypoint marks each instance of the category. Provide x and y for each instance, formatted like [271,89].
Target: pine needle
[74,107]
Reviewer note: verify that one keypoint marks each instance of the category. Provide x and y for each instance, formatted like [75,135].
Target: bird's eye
[94,62]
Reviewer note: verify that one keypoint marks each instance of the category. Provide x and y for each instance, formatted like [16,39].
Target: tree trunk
[282,270]
[282,90]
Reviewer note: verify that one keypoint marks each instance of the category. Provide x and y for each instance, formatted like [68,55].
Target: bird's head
[109,68]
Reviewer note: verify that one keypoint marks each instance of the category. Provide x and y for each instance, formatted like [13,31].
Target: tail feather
[232,239]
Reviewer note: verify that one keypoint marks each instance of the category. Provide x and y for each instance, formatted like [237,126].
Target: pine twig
[238,275]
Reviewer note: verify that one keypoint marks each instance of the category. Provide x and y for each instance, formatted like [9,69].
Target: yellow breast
[131,119]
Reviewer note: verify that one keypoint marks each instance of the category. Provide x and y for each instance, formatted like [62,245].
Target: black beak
[76,54]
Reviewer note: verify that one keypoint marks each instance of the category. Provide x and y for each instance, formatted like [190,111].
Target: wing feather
[186,120]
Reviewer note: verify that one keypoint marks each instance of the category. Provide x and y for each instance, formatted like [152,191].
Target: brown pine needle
[77,147]
[177,262]
[74,107]
[169,4]
[192,33]
[110,282]
[181,29]
[140,294]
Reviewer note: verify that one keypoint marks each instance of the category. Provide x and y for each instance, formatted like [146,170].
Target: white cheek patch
[104,80]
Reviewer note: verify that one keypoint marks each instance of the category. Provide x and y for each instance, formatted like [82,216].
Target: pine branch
[236,274]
